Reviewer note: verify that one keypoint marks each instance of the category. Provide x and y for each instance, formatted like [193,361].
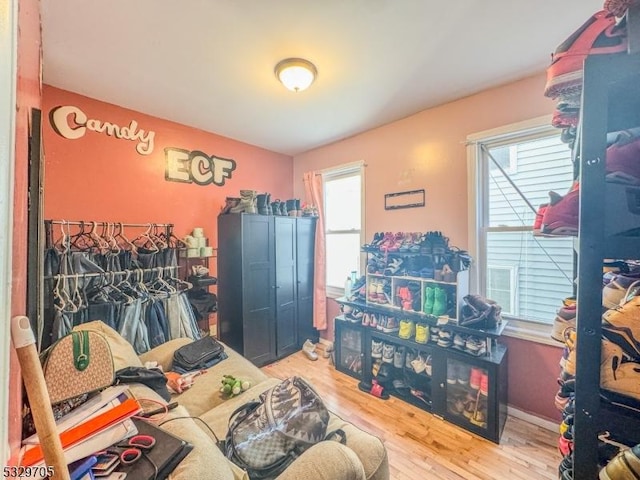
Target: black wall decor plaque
[408,199]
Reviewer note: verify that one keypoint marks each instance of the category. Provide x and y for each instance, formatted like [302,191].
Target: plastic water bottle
[348,286]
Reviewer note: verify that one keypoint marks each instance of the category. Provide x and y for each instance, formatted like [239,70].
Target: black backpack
[266,436]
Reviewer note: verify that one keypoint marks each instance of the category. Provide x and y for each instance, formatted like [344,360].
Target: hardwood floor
[422,446]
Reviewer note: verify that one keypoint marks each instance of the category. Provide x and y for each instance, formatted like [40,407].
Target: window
[343,200]
[528,276]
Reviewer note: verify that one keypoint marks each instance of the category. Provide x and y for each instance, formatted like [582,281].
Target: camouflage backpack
[265,436]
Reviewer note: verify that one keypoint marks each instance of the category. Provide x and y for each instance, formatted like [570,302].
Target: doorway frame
[8,78]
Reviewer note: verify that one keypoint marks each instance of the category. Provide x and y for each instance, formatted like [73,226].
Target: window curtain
[313,189]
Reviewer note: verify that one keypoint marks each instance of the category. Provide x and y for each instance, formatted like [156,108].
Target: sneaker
[406,329]
[537,223]
[373,291]
[398,357]
[373,320]
[380,296]
[388,352]
[434,334]
[366,320]
[452,373]
[475,346]
[599,35]
[475,378]
[464,372]
[390,325]
[618,290]
[418,364]
[479,419]
[439,302]
[459,340]
[622,165]
[484,384]
[422,333]
[625,464]
[429,297]
[616,376]
[428,363]
[382,321]
[561,216]
[376,349]
[564,446]
[566,317]
[622,326]
[410,355]
[309,349]
[444,339]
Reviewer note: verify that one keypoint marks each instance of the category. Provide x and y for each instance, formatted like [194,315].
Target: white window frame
[334,173]
[534,128]
[8,76]
[513,283]
[512,168]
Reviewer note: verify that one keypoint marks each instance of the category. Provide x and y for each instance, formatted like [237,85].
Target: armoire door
[258,278]
[305,247]
[286,287]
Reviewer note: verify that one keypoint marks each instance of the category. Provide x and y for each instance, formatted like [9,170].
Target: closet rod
[107,273]
[89,222]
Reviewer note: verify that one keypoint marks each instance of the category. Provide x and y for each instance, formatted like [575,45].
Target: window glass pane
[500,287]
[540,285]
[343,256]
[343,203]
[542,165]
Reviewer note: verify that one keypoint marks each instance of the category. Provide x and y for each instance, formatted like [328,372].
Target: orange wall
[102,178]
[28,96]
[427,150]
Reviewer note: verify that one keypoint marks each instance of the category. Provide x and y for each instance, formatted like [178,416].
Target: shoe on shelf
[376,349]
[484,384]
[479,419]
[622,160]
[429,298]
[618,290]
[475,378]
[598,35]
[398,357]
[452,373]
[616,375]
[422,333]
[464,372]
[622,327]
[444,338]
[625,464]
[561,216]
[309,349]
[565,318]
[247,202]
[406,329]
[439,302]
[428,364]
[388,352]
[418,364]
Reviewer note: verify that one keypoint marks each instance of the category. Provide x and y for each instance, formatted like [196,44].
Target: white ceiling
[209,63]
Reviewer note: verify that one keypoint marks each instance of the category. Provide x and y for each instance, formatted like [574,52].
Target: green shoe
[429,296]
[439,302]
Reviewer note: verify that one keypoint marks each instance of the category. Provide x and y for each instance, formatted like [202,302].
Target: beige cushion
[205,393]
[163,354]
[325,461]
[123,353]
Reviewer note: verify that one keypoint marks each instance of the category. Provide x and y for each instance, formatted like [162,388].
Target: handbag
[78,363]
[198,354]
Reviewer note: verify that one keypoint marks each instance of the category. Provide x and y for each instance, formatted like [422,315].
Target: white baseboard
[533,419]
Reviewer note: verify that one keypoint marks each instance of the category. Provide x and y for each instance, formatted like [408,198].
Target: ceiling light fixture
[296,73]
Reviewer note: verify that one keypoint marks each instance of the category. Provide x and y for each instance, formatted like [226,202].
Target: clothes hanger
[146,240]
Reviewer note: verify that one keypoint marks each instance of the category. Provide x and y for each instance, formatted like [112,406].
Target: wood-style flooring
[422,446]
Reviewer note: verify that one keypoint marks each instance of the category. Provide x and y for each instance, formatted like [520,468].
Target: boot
[291,208]
[229,203]
[283,209]
[261,200]
[309,349]
[269,211]
[247,202]
[275,207]
[298,209]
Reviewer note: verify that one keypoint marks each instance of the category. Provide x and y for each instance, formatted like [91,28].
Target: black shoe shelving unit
[447,385]
[610,103]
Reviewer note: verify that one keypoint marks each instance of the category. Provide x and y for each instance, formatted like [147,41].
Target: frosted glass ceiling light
[296,73]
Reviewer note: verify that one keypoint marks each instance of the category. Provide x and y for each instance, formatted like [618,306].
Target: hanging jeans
[132,327]
[156,320]
[187,318]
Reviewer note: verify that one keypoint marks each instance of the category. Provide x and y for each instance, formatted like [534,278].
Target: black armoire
[265,284]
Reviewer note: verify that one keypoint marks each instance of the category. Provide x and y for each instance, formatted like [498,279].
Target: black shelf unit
[349,347]
[610,102]
[439,393]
